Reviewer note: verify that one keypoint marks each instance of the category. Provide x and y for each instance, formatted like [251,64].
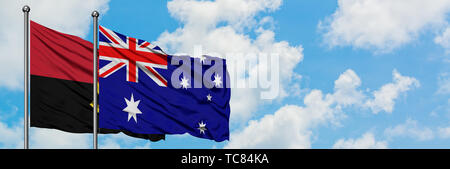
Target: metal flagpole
[26,10]
[95,15]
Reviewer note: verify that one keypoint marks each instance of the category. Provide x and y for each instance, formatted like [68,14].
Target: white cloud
[410,129]
[73,17]
[384,98]
[11,136]
[444,132]
[382,25]
[120,140]
[55,139]
[444,83]
[286,128]
[42,138]
[51,138]
[345,89]
[221,27]
[366,141]
[291,126]
[206,14]
[444,39]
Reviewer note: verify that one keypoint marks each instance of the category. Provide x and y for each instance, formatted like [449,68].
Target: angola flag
[61,74]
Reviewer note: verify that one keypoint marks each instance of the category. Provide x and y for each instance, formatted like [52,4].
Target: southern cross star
[202,127]
[209,97]
[132,108]
[184,82]
[217,80]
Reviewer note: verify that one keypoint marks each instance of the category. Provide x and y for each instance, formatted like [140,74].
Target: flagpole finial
[26,8]
[95,14]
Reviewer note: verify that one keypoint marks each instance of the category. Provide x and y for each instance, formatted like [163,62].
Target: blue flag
[144,90]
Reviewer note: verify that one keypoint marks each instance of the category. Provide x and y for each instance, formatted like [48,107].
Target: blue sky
[345,64]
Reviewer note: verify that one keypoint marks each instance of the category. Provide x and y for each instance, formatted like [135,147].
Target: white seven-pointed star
[209,97]
[184,82]
[217,80]
[132,108]
[202,127]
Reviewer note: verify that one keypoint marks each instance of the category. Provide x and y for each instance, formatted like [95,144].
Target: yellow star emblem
[98,91]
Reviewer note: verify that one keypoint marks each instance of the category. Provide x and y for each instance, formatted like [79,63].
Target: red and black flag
[61,68]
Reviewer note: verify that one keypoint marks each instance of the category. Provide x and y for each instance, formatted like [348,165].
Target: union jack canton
[132,53]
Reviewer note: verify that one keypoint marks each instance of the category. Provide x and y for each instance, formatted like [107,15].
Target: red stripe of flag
[157,75]
[108,35]
[145,44]
[112,69]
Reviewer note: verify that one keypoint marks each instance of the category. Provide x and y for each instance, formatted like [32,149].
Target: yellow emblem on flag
[98,91]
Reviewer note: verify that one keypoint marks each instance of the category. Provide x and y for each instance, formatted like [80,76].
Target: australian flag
[144,90]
